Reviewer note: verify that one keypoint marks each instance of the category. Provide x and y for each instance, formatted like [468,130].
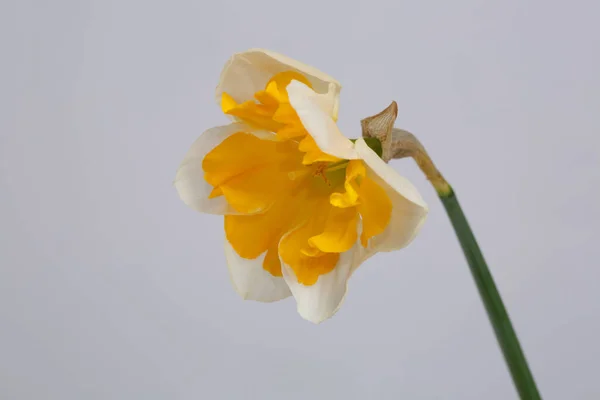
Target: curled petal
[320,126]
[250,279]
[248,72]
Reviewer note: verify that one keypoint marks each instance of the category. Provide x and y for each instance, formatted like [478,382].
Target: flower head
[304,206]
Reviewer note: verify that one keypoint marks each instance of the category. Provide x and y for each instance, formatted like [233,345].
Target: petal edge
[248,72]
[323,299]
[251,281]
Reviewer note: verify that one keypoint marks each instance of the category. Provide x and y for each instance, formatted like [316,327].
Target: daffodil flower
[303,205]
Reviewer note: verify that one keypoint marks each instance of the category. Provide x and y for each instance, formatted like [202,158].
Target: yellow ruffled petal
[375,208]
[277,85]
[190,181]
[292,127]
[272,112]
[250,172]
[340,232]
[313,152]
[256,115]
[354,172]
[271,262]
[252,235]
[307,264]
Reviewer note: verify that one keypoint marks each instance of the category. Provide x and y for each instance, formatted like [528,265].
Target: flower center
[303,215]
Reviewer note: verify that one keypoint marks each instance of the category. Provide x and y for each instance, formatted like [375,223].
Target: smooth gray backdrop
[110,288]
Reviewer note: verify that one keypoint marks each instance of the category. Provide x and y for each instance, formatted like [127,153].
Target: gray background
[110,288]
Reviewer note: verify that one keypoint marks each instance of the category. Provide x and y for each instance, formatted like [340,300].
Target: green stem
[403,144]
[505,334]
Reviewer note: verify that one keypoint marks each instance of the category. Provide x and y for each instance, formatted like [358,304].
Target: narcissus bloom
[304,206]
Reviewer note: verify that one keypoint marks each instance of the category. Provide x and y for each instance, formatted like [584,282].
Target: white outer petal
[318,124]
[323,299]
[248,72]
[409,211]
[251,281]
[189,180]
